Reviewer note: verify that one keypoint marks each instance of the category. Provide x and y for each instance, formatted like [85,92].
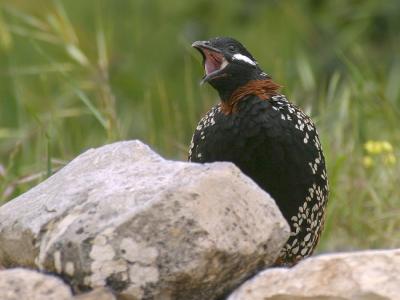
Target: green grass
[80,74]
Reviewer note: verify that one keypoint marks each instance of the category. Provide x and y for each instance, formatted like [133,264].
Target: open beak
[213,60]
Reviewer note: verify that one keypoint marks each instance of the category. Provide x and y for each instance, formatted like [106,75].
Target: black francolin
[271,140]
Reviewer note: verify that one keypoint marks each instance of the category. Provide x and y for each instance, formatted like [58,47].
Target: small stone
[21,284]
[96,294]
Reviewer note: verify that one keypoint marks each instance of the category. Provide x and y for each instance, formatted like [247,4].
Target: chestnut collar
[263,89]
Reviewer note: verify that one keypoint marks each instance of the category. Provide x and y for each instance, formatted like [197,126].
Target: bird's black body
[274,143]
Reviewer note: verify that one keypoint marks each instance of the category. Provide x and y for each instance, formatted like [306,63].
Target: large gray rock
[22,284]
[122,216]
[369,275]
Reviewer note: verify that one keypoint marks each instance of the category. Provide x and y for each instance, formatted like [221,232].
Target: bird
[268,138]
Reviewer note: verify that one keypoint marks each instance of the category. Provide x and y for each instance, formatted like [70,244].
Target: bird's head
[227,65]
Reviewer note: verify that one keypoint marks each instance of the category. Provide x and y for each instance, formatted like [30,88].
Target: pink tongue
[210,67]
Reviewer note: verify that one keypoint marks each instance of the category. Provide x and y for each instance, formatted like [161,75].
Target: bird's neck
[261,88]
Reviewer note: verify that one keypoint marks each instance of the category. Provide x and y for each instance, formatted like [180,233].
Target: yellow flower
[378,147]
[372,147]
[367,161]
[387,147]
[389,159]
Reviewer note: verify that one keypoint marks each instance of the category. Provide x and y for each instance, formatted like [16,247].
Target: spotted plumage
[268,138]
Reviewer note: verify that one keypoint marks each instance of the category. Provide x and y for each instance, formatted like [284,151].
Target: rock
[97,294]
[123,217]
[368,275]
[21,284]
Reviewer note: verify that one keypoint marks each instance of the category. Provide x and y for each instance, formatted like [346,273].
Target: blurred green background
[80,74]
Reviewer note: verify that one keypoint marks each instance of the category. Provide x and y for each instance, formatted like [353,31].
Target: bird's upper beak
[200,45]
[213,59]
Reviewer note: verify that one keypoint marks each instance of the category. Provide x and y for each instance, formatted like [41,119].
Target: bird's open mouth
[213,60]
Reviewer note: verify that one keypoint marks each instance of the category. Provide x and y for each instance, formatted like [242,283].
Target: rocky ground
[121,222]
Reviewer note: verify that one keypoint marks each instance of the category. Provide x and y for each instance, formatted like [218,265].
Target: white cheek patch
[244,58]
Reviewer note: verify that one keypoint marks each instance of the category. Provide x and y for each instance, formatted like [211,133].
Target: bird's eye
[231,48]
